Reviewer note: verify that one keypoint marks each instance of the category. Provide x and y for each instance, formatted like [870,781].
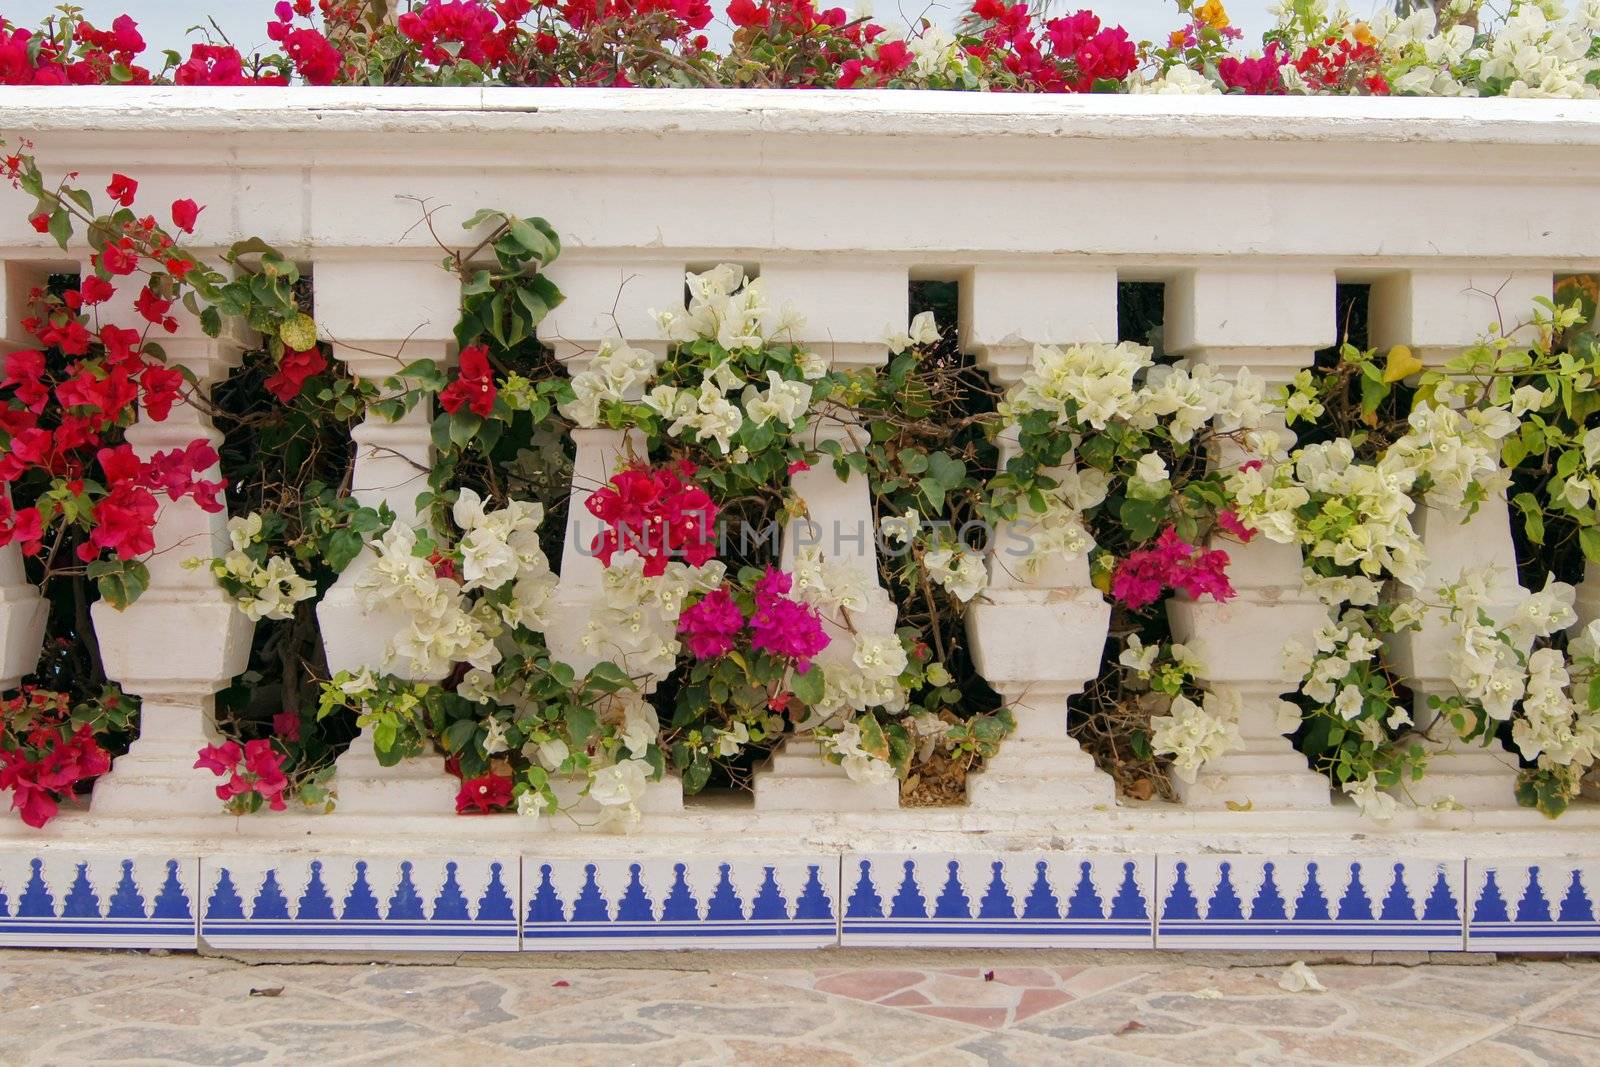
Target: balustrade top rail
[933,179]
[92,111]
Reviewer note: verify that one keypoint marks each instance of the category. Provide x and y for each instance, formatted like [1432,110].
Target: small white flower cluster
[1580,488]
[960,570]
[1452,450]
[1332,671]
[1535,52]
[1058,533]
[1375,501]
[859,764]
[924,330]
[1370,800]
[1486,654]
[443,625]
[861,666]
[618,373]
[725,307]
[1177,81]
[935,53]
[635,623]
[1101,383]
[267,590]
[1193,734]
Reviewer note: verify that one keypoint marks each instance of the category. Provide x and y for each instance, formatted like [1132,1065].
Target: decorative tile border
[62,900]
[1023,899]
[55,898]
[1300,902]
[339,902]
[1533,907]
[686,903]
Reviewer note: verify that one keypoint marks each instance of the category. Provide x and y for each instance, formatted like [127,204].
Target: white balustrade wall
[1250,211]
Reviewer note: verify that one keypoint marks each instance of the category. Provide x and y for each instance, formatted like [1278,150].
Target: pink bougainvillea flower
[711,626]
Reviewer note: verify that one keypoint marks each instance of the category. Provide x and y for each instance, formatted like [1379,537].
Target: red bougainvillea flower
[711,626]
[184,213]
[286,724]
[122,189]
[120,258]
[483,795]
[37,784]
[293,371]
[660,513]
[474,386]
[95,290]
[256,769]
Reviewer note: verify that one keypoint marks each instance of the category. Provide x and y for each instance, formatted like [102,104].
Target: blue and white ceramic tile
[1022,899]
[1533,907]
[1303,902]
[68,900]
[340,902]
[687,903]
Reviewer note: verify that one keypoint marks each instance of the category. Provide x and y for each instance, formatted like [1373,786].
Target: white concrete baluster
[382,315]
[602,301]
[1037,640]
[23,611]
[849,311]
[184,639]
[1216,317]
[1587,602]
[1438,313]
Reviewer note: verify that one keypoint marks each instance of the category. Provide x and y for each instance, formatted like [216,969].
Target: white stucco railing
[1251,210]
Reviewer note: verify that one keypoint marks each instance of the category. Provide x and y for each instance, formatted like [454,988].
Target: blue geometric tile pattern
[78,900]
[1533,907]
[340,902]
[684,903]
[1019,900]
[1302,902]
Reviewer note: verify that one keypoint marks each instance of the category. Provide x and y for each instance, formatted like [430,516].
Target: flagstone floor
[959,1007]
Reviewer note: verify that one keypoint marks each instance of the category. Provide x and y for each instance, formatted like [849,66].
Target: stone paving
[958,1007]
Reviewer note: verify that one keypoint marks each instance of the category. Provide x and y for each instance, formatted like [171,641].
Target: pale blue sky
[165,21]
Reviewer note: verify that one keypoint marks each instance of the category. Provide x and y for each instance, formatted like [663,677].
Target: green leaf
[459,734]
[945,469]
[60,226]
[608,677]
[464,426]
[533,239]
[343,547]
[120,581]
[1589,538]
[808,688]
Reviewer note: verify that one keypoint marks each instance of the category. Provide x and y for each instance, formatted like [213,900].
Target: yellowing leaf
[1238,805]
[1400,364]
[299,333]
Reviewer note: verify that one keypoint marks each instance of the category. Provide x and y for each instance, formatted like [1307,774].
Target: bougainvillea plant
[1460,48]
